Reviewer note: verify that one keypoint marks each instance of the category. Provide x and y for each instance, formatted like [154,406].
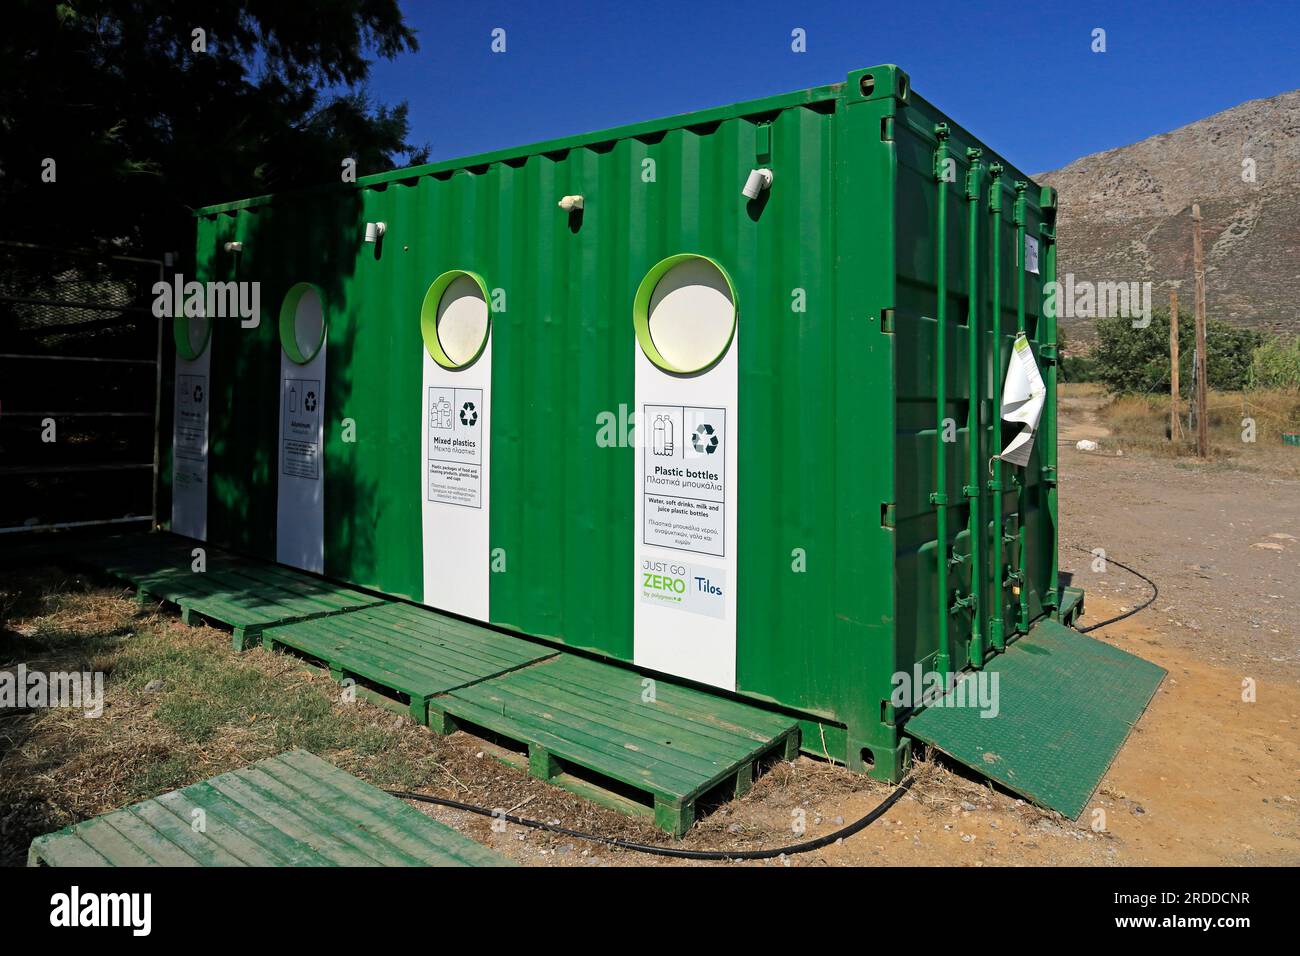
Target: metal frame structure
[155,465]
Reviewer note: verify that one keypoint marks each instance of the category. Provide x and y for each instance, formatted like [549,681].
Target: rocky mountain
[1126,215]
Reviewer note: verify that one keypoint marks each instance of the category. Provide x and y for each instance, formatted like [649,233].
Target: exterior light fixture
[759,180]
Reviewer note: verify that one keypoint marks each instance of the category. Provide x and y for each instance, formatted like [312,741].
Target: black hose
[807,846]
[1155,593]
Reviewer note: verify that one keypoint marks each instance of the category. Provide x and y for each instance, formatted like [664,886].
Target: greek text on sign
[683,457]
[191,416]
[302,400]
[455,421]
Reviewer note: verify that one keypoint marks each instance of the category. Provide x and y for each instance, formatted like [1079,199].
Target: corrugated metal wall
[829,395]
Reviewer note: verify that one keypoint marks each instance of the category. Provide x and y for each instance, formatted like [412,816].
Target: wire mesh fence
[79,387]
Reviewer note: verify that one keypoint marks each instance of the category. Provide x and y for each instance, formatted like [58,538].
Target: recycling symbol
[705,442]
[468,415]
[309,401]
[198,393]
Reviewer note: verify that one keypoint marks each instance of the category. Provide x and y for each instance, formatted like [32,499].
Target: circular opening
[867,84]
[302,323]
[455,319]
[462,320]
[192,334]
[685,314]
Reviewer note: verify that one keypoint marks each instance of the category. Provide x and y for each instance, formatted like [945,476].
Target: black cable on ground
[807,846]
[1155,593]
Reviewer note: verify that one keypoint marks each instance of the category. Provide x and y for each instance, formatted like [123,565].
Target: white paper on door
[1023,396]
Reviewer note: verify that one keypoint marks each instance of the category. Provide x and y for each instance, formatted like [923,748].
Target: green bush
[1079,368]
[1275,364]
[1132,360]
[1074,368]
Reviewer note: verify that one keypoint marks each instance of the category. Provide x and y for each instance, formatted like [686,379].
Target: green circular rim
[429,318]
[181,333]
[289,311]
[641,313]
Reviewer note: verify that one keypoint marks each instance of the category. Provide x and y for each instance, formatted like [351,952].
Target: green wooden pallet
[243,594]
[413,652]
[614,736]
[290,810]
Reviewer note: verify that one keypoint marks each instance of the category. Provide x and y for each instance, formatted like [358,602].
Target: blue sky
[1022,76]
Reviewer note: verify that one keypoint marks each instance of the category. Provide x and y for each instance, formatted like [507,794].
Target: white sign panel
[455,461]
[190,445]
[684,574]
[684,461]
[300,511]
[454,446]
[1031,254]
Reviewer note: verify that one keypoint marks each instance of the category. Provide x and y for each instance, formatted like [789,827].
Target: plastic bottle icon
[440,413]
[658,443]
[668,435]
[293,399]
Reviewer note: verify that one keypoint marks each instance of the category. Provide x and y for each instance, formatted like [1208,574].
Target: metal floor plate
[1065,705]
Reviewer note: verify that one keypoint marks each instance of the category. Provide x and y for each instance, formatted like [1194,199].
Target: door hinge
[973,154]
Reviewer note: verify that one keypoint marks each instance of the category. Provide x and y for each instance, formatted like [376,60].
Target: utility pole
[1198,263]
[1175,426]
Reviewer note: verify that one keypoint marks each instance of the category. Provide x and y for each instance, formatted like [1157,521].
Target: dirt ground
[1209,775]
[1221,541]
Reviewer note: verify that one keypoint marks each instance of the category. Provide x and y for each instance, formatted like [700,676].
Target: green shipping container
[589,391]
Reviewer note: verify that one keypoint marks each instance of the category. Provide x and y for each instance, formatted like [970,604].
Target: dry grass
[1080,389]
[179,707]
[1141,423]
